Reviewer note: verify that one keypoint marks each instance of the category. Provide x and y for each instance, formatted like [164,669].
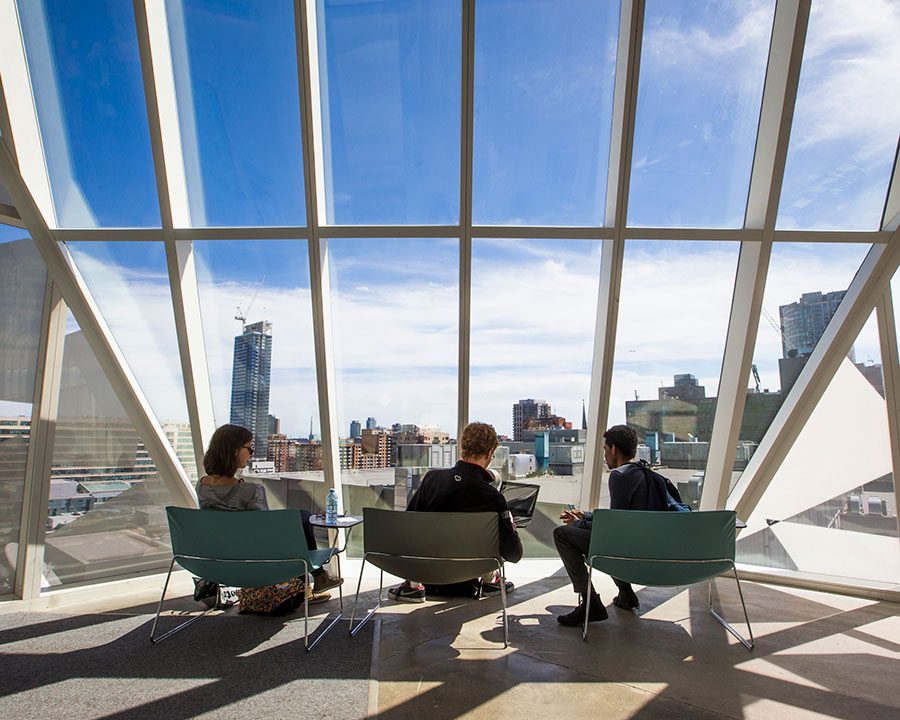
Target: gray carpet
[223,666]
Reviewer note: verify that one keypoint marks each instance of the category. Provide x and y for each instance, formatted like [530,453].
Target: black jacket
[466,488]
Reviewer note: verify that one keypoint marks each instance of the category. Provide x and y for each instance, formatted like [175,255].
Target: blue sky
[390,116]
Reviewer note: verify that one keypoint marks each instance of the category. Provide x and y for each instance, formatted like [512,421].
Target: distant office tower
[524,410]
[370,423]
[803,322]
[250,376]
[355,429]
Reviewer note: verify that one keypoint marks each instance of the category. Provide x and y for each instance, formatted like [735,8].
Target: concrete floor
[816,655]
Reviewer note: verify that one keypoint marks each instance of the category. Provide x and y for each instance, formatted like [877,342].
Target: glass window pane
[395,311]
[844,131]
[805,284]
[532,345]
[390,73]
[257,325]
[86,76]
[793,319]
[22,281]
[544,81]
[239,111]
[106,512]
[824,517]
[669,346]
[701,78]
[130,284]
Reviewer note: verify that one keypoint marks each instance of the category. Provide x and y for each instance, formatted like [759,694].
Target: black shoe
[627,603]
[407,593]
[576,617]
[494,587]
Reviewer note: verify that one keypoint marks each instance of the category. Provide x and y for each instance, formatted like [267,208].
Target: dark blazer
[627,491]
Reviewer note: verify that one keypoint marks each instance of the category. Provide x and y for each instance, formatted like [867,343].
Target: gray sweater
[243,496]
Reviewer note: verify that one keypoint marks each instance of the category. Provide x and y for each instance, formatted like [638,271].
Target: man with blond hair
[466,487]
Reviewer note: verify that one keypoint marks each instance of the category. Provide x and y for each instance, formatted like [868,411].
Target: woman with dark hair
[230,449]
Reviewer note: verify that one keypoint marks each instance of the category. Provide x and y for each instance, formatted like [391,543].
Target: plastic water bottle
[331,512]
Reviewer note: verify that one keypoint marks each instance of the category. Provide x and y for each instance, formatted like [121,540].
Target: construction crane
[755,375]
[776,326]
[242,314]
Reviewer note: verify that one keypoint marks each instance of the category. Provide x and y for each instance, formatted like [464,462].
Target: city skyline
[684,172]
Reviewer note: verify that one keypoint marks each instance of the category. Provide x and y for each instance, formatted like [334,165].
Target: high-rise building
[179,434]
[355,428]
[527,409]
[250,376]
[803,322]
[370,423]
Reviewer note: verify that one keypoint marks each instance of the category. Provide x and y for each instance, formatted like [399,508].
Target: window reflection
[22,283]
[130,284]
[106,511]
[834,518]
[85,73]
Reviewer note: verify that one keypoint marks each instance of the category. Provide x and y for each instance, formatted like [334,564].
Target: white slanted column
[165,140]
[98,335]
[628,62]
[319,275]
[776,115]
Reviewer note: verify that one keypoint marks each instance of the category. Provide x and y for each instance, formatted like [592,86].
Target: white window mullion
[165,141]
[308,48]
[618,180]
[22,121]
[36,492]
[890,373]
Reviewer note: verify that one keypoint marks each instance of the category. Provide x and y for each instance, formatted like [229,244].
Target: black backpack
[661,493]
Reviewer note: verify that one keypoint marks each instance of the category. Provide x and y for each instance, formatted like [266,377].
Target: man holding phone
[627,491]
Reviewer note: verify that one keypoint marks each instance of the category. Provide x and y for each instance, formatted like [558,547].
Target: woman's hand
[570,516]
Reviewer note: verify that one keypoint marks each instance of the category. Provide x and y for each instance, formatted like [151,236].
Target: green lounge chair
[665,549]
[253,548]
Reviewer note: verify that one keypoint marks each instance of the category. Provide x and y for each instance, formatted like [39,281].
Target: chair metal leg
[306,643]
[587,600]
[747,644]
[503,599]
[354,630]
[162,597]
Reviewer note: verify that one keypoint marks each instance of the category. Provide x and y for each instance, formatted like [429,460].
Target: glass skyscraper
[250,377]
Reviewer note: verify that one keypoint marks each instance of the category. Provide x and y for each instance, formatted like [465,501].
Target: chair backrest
[521,499]
[663,548]
[236,548]
[433,547]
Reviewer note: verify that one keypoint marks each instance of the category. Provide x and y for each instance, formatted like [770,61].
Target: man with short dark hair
[627,491]
[466,487]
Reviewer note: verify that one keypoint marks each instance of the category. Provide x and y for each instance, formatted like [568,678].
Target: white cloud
[850,86]
[696,48]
